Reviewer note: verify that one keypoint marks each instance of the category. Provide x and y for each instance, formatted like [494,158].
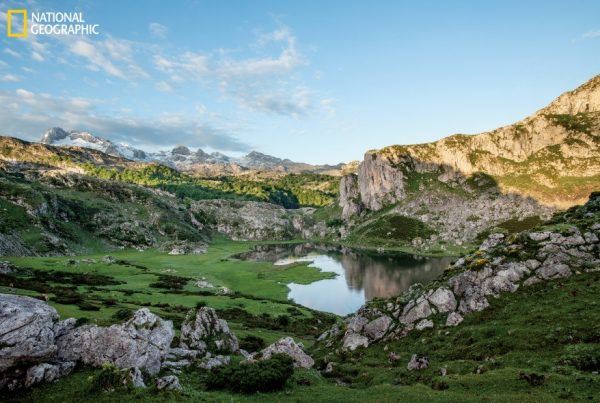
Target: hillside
[462,184]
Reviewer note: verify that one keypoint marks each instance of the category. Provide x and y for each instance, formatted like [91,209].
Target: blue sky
[313,81]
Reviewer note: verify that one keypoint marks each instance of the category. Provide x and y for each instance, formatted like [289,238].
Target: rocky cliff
[550,158]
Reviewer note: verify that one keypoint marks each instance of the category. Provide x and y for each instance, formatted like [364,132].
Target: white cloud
[264,84]
[591,34]
[328,106]
[164,86]
[37,56]
[28,115]
[10,78]
[188,66]
[113,56]
[158,30]
[12,53]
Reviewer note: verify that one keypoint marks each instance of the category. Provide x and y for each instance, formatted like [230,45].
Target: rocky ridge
[36,347]
[547,161]
[566,245]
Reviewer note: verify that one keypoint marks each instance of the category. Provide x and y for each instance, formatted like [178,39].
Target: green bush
[262,376]
[252,343]
[109,378]
[585,357]
[122,314]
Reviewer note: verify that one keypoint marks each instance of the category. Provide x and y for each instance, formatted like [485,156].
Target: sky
[312,81]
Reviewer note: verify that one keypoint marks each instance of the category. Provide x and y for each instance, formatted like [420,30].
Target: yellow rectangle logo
[9,31]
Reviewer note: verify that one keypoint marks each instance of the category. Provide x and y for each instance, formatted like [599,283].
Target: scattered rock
[377,328]
[169,382]
[418,362]
[109,259]
[354,340]
[288,346]
[454,319]
[424,324]
[210,362]
[393,357]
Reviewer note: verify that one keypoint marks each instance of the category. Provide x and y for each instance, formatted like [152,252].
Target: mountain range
[187,160]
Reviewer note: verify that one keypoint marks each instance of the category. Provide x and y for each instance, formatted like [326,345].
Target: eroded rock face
[142,342]
[350,196]
[27,331]
[289,347]
[203,330]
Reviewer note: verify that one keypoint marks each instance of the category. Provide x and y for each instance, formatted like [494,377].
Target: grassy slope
[261,287]
[528,331]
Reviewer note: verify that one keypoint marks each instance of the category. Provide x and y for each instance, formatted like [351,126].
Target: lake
[360,276]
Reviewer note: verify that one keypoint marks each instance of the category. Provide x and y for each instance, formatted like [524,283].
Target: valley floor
[551,330]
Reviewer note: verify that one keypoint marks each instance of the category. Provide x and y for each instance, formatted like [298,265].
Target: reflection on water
[360,276]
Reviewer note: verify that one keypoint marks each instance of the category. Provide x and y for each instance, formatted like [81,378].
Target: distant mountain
[185,159]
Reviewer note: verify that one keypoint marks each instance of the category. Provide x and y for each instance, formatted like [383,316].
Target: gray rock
[492,241]
[497,284]
[532,264]
[109,259]
[473,301]
[418,362]
[590,237]
[531,281]
[443,299]
[356,324]
[552,270]
[137,380]
[424,324]
[27,331]
[329,368]
[169,382]
[454,319]
[210,362]
[539,236]
[377,328]
[47,372]
[352,341]
[288,346]
[203,330]
[141,342]
[415,311]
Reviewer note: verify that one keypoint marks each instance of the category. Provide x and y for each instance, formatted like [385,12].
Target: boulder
[203,330]
[454,319]
[289,347]
[377,328]
[443,299]
[418,362]
[552,270]
[142,342]
[414,311]
[27,335]
[352,341]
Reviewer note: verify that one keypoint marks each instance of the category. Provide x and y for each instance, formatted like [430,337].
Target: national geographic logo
[48,23]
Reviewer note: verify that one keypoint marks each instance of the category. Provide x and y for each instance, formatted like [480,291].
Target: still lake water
[360,276]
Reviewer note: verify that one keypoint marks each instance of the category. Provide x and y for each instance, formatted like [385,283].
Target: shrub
[252,343]
[262,376]
[109,378]
[122,314]
[283,320]
[585,357]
